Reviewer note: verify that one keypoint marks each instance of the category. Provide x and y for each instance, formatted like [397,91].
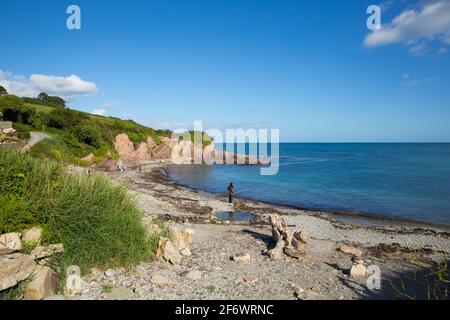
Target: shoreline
[323,274]
[343,215]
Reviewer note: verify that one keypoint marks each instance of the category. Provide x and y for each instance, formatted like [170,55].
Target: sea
[398,181]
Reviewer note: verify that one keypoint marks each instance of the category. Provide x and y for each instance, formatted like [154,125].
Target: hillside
[76,134]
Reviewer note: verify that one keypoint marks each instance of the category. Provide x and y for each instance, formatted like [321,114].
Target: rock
[194,275]
[167,251]
[90,158]
[250,279]
[33,235]
[298,245]
[110,273]
[298,290]
[186,252]
[119,293]
[41,252]
[180,239]
[293,253]
[302,236]
[15,268]
[11,241]
[9,131]
[358,270]
[315,289]
[350,250]
[42,285]
[242,258]
[161,281]
[6,251]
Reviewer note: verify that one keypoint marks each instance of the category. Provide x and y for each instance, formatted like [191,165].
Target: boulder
[41,252]
[186,252]
[9,131]
[180,239]
[90,158]
[42,285]
[243,258]
[5,251]
[110,273]
[161,281]
[11,241]
[358,271]
[302,236]
[167,251]
[350,250]
[33,235]
[15,268]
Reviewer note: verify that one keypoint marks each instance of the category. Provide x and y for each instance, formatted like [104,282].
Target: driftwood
[288,243]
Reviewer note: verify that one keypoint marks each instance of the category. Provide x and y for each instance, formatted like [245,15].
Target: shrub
[88,134]
[96,221]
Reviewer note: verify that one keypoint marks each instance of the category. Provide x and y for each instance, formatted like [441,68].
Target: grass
[16,292]
[39,107]
[106,288]
[98,223]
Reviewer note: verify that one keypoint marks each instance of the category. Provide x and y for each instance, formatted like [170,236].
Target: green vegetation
[16,292]
[3,91]
[96,221]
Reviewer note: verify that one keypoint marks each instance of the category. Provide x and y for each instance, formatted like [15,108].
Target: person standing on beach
[230,192]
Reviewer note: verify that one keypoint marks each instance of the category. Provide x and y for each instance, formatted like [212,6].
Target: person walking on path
[230,193]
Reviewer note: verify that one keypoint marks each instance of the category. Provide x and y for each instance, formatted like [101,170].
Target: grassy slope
[97,222]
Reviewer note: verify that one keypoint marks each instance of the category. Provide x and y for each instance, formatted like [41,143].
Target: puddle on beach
[237,216]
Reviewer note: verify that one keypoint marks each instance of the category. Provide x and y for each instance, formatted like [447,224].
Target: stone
[298,290]
[6,251]
[42,285]
[315,289]
[167,251]
[9,131]
[186,252]
[161,281]
[358,271]
[180,239]
[250,279]
[33,235]
[110,273]
[194,275]
[11,241]
[41,252]
[119,293]
[293,253]
[298,245]
[350,250]
[15,268]
[302,236]
[242,258]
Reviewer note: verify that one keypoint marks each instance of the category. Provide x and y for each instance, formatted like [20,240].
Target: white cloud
[100,112]
[103,109]
[416,28]
[66,87]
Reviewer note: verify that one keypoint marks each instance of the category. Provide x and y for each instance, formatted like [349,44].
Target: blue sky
[309,68]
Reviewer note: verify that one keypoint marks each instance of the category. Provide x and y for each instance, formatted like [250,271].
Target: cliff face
[170,149]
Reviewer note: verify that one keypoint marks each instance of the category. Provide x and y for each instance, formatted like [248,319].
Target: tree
[14,110]
[43,96]
[3,91]
[57,101]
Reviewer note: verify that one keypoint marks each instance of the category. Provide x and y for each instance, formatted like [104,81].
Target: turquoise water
[407,181]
